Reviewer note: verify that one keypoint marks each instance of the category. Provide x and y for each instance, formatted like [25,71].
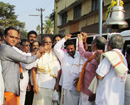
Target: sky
[24,8]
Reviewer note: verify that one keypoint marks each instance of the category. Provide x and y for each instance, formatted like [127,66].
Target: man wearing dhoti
[71,65]
[112,73]
[47,79]
[89,69]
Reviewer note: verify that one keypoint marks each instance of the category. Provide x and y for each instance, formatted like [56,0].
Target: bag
[55,96]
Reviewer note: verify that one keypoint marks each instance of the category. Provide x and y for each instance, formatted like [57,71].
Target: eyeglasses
[27,45]
[48,42]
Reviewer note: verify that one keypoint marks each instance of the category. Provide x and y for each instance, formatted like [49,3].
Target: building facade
[75,16]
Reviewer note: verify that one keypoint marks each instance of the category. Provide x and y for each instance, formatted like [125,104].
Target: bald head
[100,42]
[47,42]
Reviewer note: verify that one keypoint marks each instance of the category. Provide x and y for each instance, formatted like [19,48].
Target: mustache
[70,51]
[31,40]
[35,48]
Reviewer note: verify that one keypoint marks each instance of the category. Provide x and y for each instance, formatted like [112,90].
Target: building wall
[107,2]
[66,30]
[86,7]
[62,4]
[85,22]
[55,23]
[70,15]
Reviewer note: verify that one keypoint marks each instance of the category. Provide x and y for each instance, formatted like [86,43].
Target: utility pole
[100,16]
[41,22]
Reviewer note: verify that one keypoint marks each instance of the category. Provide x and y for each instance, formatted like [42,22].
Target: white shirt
[44,79]
[25,80]
[69,70]
[1,86]
[110,89]
[21,52]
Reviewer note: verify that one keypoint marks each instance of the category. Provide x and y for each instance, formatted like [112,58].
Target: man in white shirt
[47,79]
[25,47]
[111,87]
[71,65]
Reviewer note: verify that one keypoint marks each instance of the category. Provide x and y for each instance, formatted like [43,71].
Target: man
[29,95]
[19,40]
[25,47]
[10,65]
[32,35]
[35,46]
[47,75]
[89,68]
[111,84]
[71,64]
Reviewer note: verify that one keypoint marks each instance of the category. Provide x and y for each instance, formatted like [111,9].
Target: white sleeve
[57,48]
[19,51]
[103,67]
[29,66]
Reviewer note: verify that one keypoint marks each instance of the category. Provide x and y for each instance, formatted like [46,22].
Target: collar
[96,51]
[75,55]
[116,49]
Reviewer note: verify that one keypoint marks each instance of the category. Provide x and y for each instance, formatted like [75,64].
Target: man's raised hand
[85,36]
[68,36]
[80,37]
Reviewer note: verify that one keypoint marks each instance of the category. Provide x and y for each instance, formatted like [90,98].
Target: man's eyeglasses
[48,42]
[26,45]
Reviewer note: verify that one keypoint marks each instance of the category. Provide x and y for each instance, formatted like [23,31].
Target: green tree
[23,34]
[38,28]
[48,26]
[8,17]
[52,16]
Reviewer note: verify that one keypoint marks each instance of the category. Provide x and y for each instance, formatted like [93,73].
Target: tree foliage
[23,34]
[8,17]
[52,16]
[38,28]
[48,26]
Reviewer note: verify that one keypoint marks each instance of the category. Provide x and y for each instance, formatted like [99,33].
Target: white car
[126,35]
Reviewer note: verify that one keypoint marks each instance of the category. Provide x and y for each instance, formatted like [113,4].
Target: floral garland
[113,3]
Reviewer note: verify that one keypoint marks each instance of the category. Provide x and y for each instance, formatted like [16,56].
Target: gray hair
[100,42]
[43,40]
[116,41]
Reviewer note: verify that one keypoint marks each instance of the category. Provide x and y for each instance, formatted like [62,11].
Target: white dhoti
[84,100]
[44,97]
[22,97]
[70,97]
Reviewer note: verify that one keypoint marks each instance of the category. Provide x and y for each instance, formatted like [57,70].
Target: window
[77,11]
[95,4]
[64,18]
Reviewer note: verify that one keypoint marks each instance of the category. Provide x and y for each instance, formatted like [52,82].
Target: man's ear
[95,44]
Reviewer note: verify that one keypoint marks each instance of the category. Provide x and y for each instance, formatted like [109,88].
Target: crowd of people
[46,73]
